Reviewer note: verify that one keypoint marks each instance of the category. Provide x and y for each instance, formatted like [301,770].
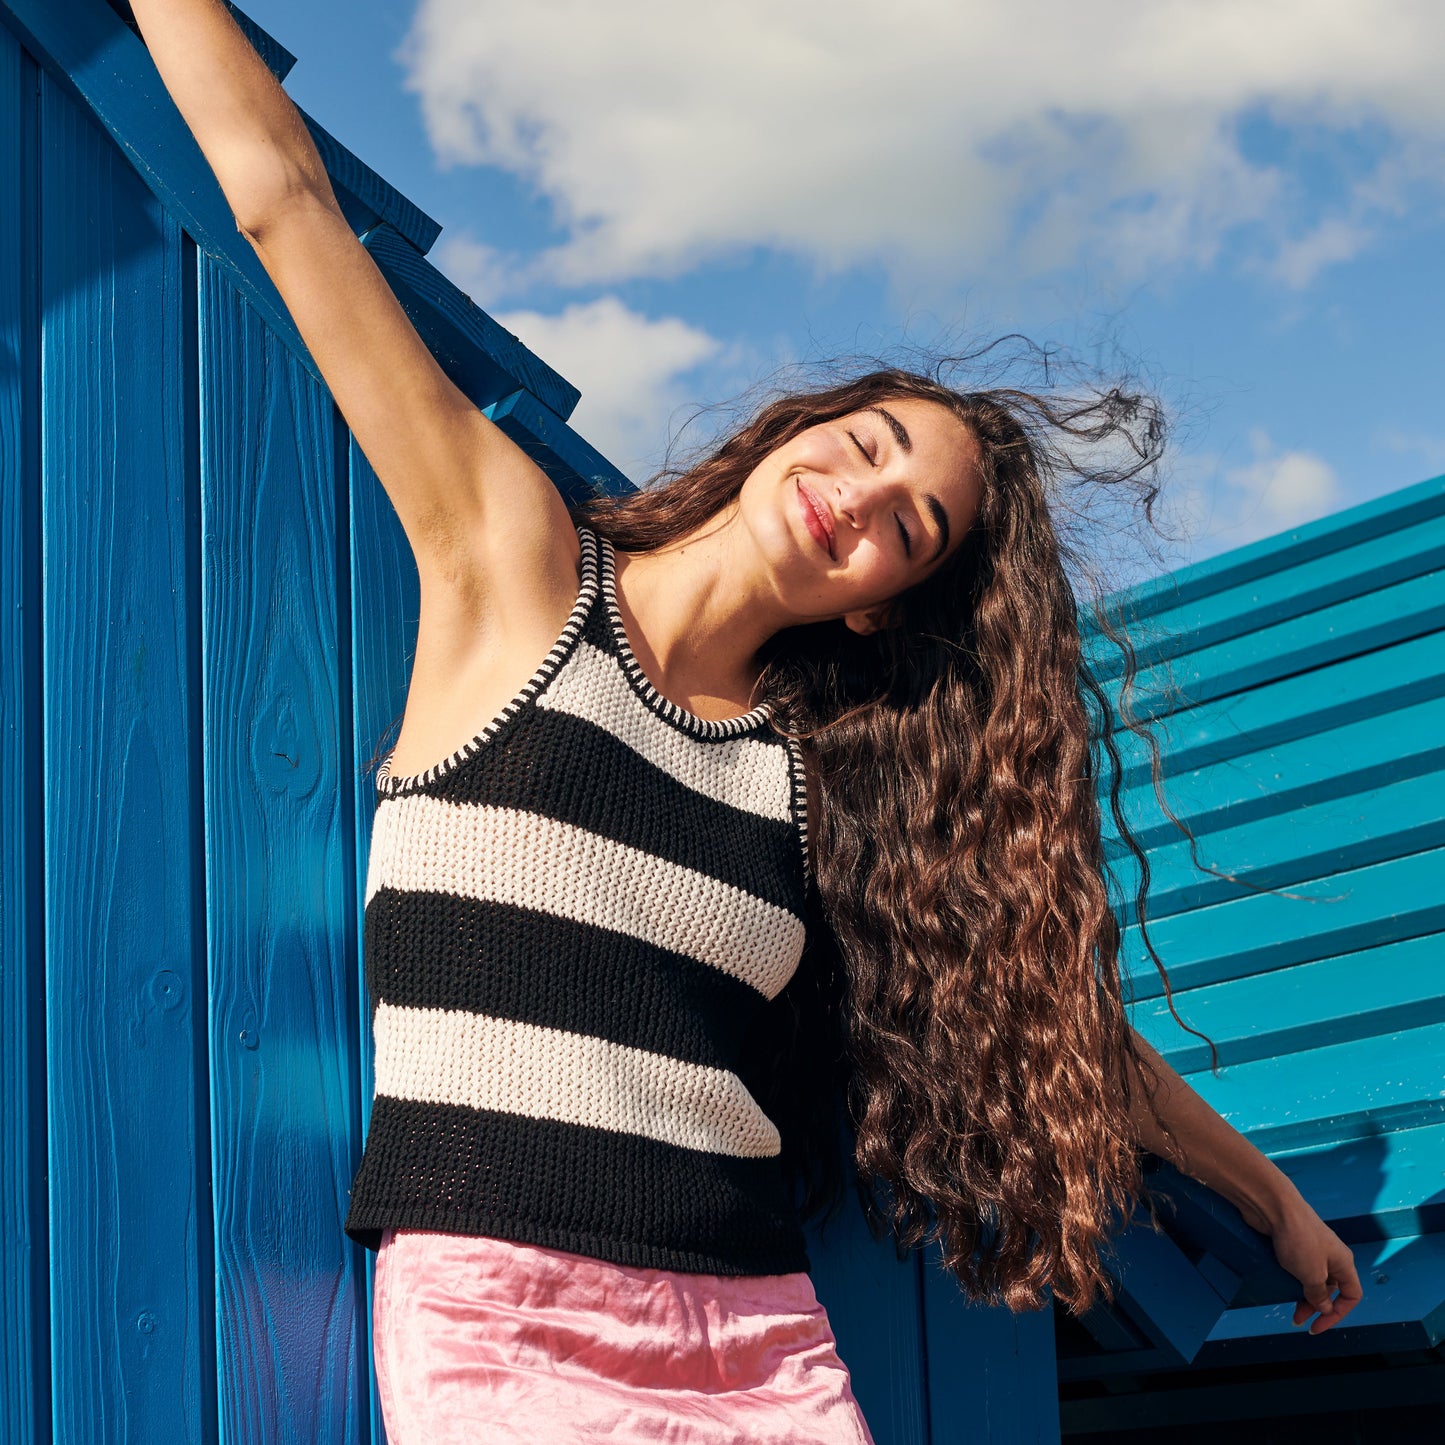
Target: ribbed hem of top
[366,1227]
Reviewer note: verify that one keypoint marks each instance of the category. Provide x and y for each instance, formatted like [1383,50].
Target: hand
[1320,1260]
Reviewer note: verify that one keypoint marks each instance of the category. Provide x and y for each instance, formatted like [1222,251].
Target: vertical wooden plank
[129,1266]
[282,879]
[876,1311]
[385,606]
[992,1375]
[24,1294]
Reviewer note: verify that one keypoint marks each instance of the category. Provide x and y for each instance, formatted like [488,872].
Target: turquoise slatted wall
[1299,690]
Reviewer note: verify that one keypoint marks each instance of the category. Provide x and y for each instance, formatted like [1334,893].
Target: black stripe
[588,1191]
[516,963]
[571,769]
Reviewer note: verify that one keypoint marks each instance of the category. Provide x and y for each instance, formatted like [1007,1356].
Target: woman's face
[852,512]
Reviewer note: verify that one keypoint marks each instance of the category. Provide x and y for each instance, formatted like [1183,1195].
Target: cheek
[816,451]
[878,574]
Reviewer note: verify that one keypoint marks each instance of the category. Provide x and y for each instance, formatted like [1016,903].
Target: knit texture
[575,927]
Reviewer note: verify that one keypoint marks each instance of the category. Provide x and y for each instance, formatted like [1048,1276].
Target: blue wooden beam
[1365,753]
[482,357]
[95,55]
[1352,689]
[24,1225]
[1335,1093]
[1386,1184]
[992,1375]
[131,1264]
[1356,625]
[284,1006]
[1162,1293]
[1403,1309]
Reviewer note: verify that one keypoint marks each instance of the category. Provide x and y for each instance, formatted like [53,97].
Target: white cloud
[486,274]
[1335,239]
[1429,447]
[628,367]
[936,136]
[1214,506]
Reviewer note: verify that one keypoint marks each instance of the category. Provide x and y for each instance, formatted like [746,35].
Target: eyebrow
[940,514]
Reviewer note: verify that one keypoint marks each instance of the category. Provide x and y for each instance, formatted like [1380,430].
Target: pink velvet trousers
[485,1340]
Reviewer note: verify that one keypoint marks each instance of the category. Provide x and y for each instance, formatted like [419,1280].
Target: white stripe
[506,855]
[746,772]
[442,1056]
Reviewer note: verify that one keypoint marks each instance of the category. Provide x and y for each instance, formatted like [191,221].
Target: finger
[1319,1299]
[1351,1293]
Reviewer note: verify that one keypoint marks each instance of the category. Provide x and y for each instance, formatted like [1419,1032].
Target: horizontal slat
[1161,1293]
[1407,507]
[1330,1094]
[1293,847]
[1367,686]
[1353,996]
[1378,1187]
[1279,596]
[1365,754]
[1349,911]
[1359,624]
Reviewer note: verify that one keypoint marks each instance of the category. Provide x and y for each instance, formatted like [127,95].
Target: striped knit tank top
[573,928]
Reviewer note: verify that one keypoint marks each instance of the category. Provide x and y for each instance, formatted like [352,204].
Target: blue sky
[667,202]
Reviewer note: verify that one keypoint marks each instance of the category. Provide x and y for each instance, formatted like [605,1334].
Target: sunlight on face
[855,511]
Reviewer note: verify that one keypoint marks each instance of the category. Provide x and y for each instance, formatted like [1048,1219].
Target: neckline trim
[665,708]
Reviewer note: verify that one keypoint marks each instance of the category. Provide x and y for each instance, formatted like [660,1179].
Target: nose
[857,500]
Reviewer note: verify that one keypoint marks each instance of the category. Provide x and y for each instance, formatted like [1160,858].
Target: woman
[823,687]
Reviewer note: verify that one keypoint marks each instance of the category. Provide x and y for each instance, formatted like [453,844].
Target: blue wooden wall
[208,612]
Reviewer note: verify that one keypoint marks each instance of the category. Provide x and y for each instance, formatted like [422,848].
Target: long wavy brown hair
[961,989]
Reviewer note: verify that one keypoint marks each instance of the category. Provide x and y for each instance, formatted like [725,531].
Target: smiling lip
[817,520]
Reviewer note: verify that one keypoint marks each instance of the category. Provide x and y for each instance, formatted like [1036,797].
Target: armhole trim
[797,773]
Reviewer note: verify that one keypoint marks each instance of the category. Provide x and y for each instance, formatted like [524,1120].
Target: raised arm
[470,501]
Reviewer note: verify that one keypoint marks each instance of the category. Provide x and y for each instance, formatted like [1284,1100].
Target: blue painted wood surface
[990,1372]
[874,1304]
[24,1247]
[125,924]
[286,1131]
[88,48]
[383,641]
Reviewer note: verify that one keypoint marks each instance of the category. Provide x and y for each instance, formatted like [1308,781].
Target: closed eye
[867,455]
[907,540]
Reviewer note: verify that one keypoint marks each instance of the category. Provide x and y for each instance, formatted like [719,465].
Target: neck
[698,615]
